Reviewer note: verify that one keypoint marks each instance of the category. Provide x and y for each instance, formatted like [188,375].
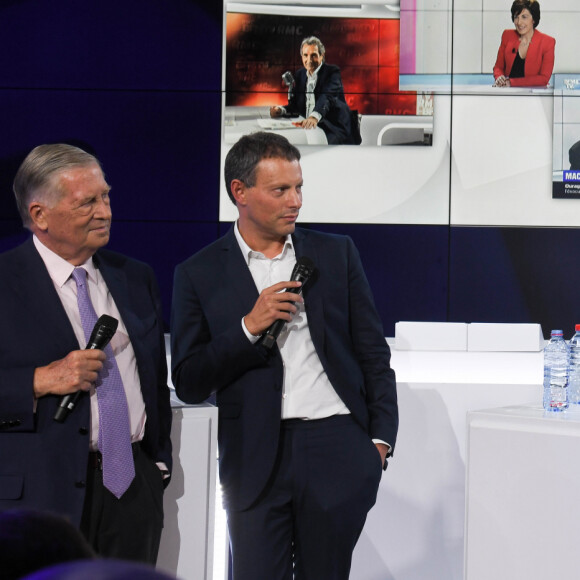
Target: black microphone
[303,269]
[513,50]
[102,333]
[289,82]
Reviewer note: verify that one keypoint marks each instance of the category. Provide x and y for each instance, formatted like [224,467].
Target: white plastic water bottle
[574,377]
[556,361]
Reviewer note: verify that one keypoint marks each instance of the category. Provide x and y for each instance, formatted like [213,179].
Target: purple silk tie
[114,425]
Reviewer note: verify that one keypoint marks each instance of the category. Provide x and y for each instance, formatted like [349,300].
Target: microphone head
[305,262]
[288,78]
[303,269]
[103,331]
[108,321]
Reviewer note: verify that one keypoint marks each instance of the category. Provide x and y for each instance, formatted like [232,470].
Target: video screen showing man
[84,404]
[574,156]
[317,95]
[300,367]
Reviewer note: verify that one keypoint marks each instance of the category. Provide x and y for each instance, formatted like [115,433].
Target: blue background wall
[138,84]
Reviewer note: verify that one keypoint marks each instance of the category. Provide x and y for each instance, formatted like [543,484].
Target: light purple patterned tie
[114,425]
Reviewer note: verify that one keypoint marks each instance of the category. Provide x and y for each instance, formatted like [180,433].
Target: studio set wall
[463,229]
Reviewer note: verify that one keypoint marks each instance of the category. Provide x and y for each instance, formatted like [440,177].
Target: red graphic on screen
[260,48]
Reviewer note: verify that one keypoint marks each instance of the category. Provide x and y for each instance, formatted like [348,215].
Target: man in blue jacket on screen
[307,417]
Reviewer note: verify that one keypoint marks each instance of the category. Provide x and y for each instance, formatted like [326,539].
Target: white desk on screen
[474,84]
[523,480]
[240,121]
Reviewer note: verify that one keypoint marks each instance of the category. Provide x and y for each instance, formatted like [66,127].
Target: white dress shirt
[60,272]
[311,80]
[307,392]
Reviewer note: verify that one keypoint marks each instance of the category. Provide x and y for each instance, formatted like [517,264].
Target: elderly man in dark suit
[305,426]
[318,96]
[104,466]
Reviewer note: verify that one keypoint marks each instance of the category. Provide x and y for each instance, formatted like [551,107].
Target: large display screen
[374,182]
[360,77]
[566,144]
[494,151]
[453,44]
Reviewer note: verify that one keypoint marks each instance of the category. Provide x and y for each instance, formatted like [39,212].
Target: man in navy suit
[305,427]
[318,95]
[63,200]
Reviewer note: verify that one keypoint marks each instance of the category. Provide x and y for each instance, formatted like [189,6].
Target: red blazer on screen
[539,60]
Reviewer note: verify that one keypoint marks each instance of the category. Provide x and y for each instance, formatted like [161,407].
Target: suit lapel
[235,268]
[313,295]
[35,289]
[118,285]
[300,93]
[321,80]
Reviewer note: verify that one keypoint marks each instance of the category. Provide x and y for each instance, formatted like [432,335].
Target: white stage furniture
[523,480]
[416,529]
[187,542]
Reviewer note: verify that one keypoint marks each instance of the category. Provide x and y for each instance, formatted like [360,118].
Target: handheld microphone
[303,269]
[102,333]
[289,82]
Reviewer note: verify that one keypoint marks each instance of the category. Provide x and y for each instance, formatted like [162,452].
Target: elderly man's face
[311,57]
[79,223]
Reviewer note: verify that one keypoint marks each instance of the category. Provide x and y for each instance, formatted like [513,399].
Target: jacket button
[83,431]
[80,484]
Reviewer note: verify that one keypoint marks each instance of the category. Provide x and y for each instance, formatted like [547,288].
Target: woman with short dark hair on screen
[526,56]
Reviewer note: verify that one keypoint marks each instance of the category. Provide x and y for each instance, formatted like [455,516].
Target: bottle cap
[577,327]
[557,333]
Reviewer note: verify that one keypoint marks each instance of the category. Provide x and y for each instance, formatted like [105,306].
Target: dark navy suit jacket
[329,102]
[43,463]
[214,290]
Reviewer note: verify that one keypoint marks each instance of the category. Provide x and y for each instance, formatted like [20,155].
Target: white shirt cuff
[253,339]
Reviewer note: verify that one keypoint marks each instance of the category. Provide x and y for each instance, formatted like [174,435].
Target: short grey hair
[34,179]
[310,40]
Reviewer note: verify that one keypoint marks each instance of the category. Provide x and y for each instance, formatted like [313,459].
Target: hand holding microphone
[275,111]
[303,269]
[89,365]
[276,303]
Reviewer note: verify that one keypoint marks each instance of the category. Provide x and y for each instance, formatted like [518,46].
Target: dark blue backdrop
[138,83]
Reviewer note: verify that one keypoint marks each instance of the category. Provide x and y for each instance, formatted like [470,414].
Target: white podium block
[189,502]
[522,513]
[431,336]
[486,337]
